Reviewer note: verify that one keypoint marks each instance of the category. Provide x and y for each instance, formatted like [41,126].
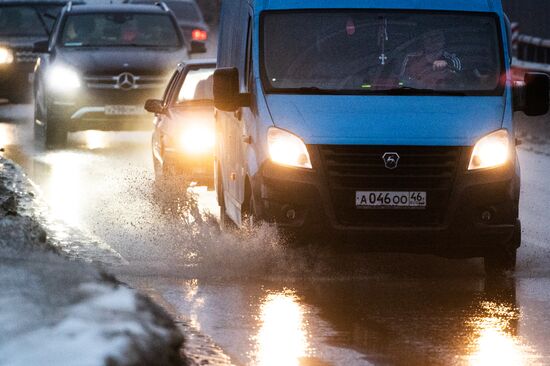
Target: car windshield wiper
[407,90]
[316,90]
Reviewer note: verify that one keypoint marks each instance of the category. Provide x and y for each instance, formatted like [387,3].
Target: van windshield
[382,52]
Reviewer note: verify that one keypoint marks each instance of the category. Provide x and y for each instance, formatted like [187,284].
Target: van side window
[248,59]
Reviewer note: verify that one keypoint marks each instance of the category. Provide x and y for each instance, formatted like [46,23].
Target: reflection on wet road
[263,304]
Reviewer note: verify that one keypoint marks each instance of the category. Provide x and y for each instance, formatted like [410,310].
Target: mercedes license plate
[124,110]
[390,200]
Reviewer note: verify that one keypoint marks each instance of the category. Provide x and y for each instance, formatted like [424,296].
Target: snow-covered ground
[57,311]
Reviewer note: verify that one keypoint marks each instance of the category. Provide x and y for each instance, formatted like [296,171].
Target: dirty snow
[60,312]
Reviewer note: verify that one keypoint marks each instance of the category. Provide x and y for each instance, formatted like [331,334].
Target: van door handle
[247,139]
[239,114]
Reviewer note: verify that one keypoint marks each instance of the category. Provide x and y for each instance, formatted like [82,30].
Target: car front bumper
[196,167]
[110,110]
[314,203]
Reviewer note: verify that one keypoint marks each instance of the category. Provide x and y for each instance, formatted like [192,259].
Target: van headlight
[63,79]
[6,56]
[197,140]
[287,149]
[491,151]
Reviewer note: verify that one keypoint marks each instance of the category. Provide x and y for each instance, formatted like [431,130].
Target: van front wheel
[500,260]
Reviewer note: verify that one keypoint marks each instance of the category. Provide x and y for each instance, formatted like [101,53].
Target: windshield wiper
[316,90]
[407,90]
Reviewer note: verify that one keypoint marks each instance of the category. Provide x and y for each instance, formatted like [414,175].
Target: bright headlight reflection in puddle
[493,343]
[95,140]
[282,338]
[64,189]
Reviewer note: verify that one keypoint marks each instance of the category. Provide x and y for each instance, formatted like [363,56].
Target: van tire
[501,260]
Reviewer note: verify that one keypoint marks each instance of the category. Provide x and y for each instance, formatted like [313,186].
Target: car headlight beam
[287,149]
[197,140]
[63,79]
[491,151]
[6,56]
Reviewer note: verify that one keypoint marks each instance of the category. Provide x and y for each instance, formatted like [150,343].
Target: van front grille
[361,168]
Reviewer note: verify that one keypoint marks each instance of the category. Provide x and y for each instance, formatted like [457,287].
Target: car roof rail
[163,5]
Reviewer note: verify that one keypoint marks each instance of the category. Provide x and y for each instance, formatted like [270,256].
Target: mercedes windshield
[119,30]
[381,52]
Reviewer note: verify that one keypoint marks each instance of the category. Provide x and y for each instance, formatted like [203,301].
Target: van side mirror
[154,106]
[536,93]
[41,47]
[227,95]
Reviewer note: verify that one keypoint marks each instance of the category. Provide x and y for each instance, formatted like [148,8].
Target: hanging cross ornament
[382,38]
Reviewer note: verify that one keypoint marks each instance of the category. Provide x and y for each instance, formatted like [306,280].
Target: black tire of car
[54,126]
[503,259]
[55,130]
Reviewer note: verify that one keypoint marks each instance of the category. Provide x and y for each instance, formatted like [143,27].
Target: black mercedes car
[22,23]
[101,64]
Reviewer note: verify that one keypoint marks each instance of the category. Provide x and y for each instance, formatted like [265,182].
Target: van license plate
[390,200]
[124,110]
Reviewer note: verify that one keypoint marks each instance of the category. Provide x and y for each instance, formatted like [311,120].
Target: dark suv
[100,66]
[22,23]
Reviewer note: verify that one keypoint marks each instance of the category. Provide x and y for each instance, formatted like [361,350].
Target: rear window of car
[184,10]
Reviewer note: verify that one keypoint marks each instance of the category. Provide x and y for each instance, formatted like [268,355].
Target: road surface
[262,304]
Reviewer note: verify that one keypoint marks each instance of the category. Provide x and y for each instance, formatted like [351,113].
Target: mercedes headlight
[6,56]
[287,149]
[63,79]
[491,151]
[197,139]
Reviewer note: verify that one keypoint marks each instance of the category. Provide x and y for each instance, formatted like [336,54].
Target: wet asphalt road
[255,303]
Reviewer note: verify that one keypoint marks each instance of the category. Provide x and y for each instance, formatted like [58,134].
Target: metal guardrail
[533,49]
[531,54]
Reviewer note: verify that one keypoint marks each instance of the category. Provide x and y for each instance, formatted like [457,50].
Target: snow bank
[59,312]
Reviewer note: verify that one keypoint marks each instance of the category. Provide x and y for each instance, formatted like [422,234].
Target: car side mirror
[41,47]
[197,47]
[532,96]
[227,95]
[154,106]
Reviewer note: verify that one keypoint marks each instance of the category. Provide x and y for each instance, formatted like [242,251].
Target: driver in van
[432,65]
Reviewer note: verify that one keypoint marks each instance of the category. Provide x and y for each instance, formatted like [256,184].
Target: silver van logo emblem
[391,159]
[126,81]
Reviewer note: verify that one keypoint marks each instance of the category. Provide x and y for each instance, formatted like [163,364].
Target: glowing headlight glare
[491,151]
[287,149]
[6,56]
[63,79]
[197,140]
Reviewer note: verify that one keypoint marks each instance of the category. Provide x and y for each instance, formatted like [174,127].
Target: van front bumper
[308,203]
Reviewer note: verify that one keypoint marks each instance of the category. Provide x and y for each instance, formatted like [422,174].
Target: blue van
[388,123]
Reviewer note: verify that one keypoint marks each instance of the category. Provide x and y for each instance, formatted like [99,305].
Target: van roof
[444,5]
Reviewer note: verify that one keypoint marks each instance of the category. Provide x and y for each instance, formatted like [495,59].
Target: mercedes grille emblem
[391,159]
[126,81]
